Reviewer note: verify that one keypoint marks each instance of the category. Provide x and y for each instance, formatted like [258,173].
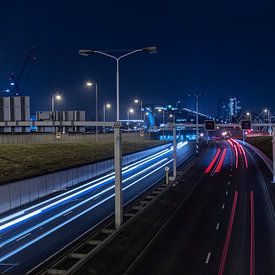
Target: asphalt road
[226,226]
[32,234]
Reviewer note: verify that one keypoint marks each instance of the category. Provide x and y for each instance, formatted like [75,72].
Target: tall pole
[104,117]
[273,152]
[197,122]
[140,109]
[96,109]
[117,89]
[128,116]
[163,124]
[269,121]
[52,104]
[174,151]
[118,177]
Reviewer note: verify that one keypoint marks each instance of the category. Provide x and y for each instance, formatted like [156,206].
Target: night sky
[221,48]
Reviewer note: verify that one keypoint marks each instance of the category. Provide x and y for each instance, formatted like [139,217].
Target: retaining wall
[19,193]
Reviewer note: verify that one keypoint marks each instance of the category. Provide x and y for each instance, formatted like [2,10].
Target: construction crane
[15,83]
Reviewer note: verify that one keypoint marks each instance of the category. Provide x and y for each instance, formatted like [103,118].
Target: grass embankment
[263,143]
[23,161]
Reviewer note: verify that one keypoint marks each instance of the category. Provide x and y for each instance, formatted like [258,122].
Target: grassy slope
[263,143]
[22,161]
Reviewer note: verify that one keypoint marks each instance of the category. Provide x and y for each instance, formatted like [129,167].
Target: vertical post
[128,116]
[273,152]
[104,117]
[174,152]
[118,183]
[96,109]
[167,174]
[207,137]
[52,104]
[269,121]
[117,89]
[243,136]
[197,124]
[140,109]
[53,113]
[163,124]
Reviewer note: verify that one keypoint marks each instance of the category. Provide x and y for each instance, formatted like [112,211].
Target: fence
[37,138]
[19,193]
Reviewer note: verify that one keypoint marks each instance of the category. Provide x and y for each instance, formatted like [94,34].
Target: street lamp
[197,120]
[89,52]
[130,111]
[105,106]
[269,120]
[56,97]
[91,84]
[139,101]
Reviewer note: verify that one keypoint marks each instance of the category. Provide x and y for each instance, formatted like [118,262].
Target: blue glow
[100,182]
[8,255]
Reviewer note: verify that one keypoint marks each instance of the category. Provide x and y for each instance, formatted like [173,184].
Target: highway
[32,234]
[225,226]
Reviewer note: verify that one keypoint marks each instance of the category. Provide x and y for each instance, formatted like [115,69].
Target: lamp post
[108,106]
[91,84]
[197,120]
[139,101]
[56,97]
[269,121]
[162,122]
[130,111]
[117,59]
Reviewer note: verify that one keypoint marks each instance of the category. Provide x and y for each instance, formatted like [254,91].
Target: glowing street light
[55,98]
[137,101]
[90,84]
[106,106]
[267,111]
[117,59]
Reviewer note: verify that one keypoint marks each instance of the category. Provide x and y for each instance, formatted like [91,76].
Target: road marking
[7,267]
[23,237]
[252,235]
[223,206]
[228,235]
[218,225]
[229,183]
[67,213]
[226,193]
[208,258]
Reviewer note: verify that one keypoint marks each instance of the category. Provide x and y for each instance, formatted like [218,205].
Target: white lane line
[229,183]
[23,237]
[223,206]
[208,258]
[67,213]
[217,226]
[230,175]
[226,193]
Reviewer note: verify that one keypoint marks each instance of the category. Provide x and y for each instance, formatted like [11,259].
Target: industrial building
[14,108]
